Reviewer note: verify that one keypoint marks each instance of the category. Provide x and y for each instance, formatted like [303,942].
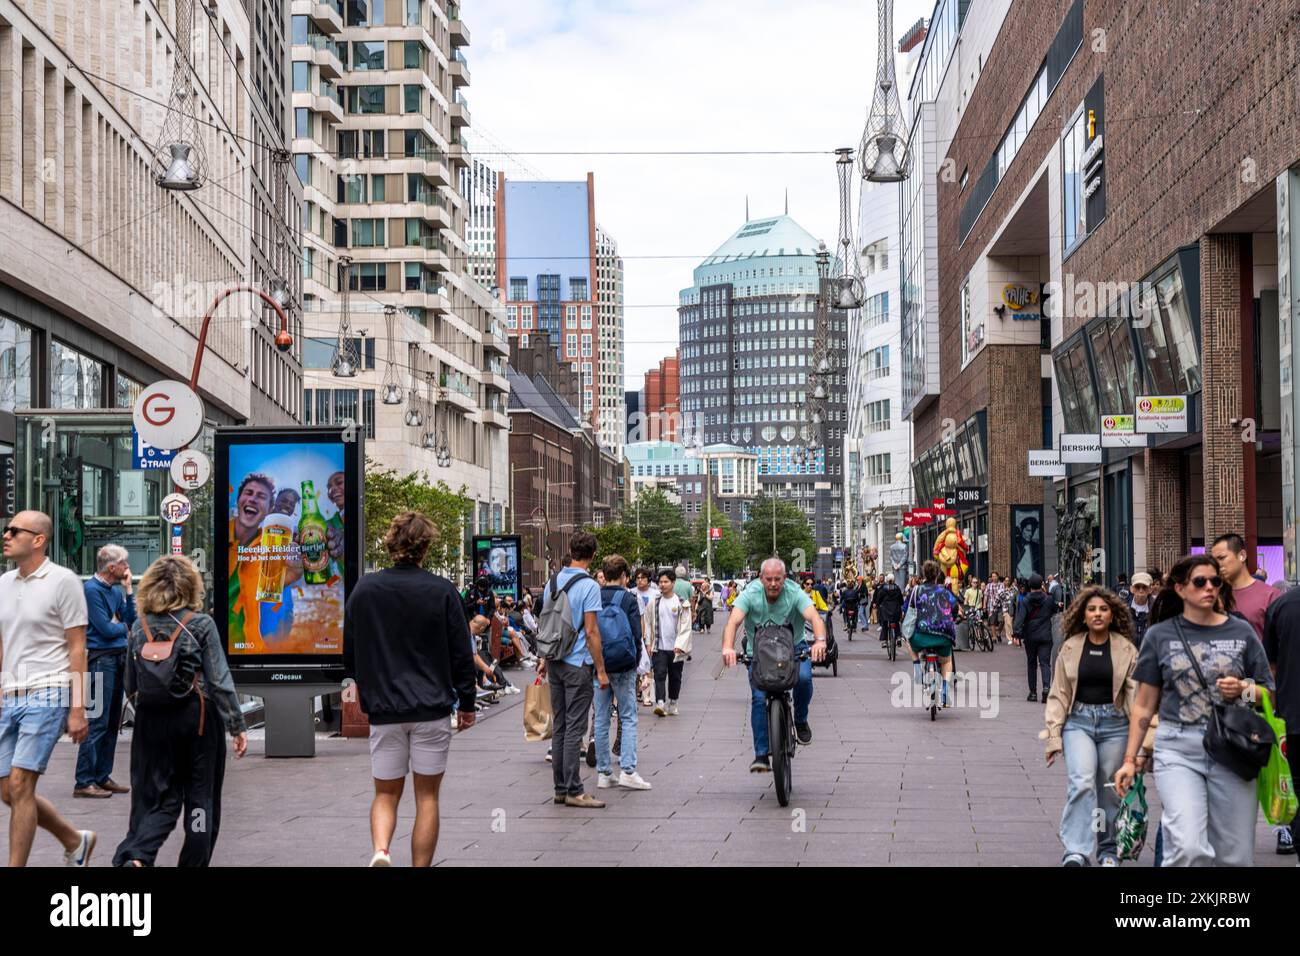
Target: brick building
[662,392]
[1109,232]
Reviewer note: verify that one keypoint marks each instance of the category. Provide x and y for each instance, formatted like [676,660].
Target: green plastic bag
[1131,821]
[1274,786]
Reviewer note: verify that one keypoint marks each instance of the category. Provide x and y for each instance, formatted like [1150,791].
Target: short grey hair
[681,570]
[109,555]
[777,561]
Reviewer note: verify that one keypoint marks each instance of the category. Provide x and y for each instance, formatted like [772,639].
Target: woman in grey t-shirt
[1209,811]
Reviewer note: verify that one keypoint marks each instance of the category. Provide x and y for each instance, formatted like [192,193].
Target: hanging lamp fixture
[180,163]
[848,290]
[883,156]
[392,393]
[346,361]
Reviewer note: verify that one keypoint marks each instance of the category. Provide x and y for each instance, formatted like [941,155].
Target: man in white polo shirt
[42,683]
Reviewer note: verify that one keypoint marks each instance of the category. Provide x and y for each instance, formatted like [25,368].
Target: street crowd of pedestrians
[1136,681]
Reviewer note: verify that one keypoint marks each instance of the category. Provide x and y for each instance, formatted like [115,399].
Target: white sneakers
[81,855]
[604,781]
[660,711]
[672,708]
[381,858]
[631,781]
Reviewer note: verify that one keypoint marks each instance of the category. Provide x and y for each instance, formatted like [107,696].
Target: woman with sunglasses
[1209,811]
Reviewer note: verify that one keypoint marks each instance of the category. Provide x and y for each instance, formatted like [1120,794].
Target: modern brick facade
[662,411]
[1192,150]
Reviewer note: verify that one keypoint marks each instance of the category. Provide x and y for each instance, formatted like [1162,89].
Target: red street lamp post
[283,338]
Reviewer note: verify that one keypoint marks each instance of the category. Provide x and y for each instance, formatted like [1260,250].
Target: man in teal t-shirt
[774,599]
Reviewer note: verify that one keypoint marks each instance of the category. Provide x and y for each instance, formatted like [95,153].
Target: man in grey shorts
[407,651]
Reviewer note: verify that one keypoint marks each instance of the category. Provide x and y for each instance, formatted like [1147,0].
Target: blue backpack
[617,643]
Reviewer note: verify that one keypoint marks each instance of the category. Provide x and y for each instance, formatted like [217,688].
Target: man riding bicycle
[850,598]
[773,599]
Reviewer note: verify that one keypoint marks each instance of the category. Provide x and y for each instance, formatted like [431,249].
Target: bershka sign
[76,909]
[1161,414]
[1120,431]
[1046,464]
[1081,449]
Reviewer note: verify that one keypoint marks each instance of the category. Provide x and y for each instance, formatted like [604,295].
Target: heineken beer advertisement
[283,545]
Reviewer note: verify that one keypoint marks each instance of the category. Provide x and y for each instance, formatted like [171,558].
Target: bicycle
[781,739]
[931,682]
[890,632]
[980,636]
[850,620]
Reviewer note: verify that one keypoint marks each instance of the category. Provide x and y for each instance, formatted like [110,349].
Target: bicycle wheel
[778,738]
[932,685]
[892,644]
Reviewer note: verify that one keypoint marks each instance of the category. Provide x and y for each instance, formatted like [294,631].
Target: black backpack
[774,668]
[167,671]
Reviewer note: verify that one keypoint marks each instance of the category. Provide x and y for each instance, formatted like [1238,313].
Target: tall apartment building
[380,118]
[747,333]
[877,438]
[563,279]
[105,276]
[276,195]
[610,327]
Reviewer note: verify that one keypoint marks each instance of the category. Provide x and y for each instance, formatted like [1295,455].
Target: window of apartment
[518,288]
[302,166]
[571,316]
[365,13]
[415,143]
[413,55]
[571,346]
[76,380]
[527,317]
[586,346]
[586,316]
[377,189]
[368,277]
[411,98]
[578,287]
[351,189]
[412,277]
[365,100]
[875,311]
[1072,147]
[302,123]
[413,13]
[15,365]
[318,353]
[367,232]
[878,416]
[586,373]
[301,76]
[368,54]
[126,391]
[298,29]
[878,362]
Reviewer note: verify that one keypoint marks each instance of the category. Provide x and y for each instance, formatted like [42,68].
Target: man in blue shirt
[570,678]
[111,614]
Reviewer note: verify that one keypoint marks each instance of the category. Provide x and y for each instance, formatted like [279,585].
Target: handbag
[1275,787]
[1131,821]
[909,622]
[539,719]
[1237,736]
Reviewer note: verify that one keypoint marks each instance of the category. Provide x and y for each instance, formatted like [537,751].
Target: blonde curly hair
[170,584]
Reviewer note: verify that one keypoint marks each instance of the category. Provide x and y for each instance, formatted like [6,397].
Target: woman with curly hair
[1087,718]
[178,746]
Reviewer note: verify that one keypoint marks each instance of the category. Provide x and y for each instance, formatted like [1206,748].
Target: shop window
[76,380]
[15,365]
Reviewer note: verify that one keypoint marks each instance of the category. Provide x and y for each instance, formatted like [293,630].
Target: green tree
[668,538]
[388,494]
[795,544]
[729,551]
[618,538]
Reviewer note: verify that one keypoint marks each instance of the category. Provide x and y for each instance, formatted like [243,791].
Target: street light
[283,338]
[696,450]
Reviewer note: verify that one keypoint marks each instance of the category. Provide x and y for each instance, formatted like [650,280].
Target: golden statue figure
[950,552]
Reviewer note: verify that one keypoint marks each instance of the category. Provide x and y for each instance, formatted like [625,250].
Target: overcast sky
[598,75]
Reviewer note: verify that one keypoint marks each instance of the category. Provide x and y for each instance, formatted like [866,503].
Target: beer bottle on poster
[313,540]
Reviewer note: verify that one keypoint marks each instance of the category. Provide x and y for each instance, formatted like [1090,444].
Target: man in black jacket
[887,601]
[1033,626]
[407,649]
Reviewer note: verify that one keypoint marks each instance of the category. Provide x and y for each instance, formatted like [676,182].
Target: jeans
[1039,652]
[803,694]
[96,753]
[668,670]
[622,687]
[31,723]
[1093,738]
[1209,812]
[570,704]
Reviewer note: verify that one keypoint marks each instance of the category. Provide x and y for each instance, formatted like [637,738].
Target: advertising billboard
[499,556]
[288,546]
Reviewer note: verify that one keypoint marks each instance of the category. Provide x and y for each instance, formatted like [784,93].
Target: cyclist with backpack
[932,615]
[568,641]
[773,601]
[185,703]
[621,632]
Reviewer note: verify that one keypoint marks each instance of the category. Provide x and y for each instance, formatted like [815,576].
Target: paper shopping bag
[538,717]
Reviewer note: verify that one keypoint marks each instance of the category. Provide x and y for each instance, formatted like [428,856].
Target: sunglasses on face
[14,530]
[1200,581]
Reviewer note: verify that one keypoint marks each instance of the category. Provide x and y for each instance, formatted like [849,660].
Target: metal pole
[708,520]
[511,492]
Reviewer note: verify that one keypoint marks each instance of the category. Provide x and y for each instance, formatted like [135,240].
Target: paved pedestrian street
[879,786]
